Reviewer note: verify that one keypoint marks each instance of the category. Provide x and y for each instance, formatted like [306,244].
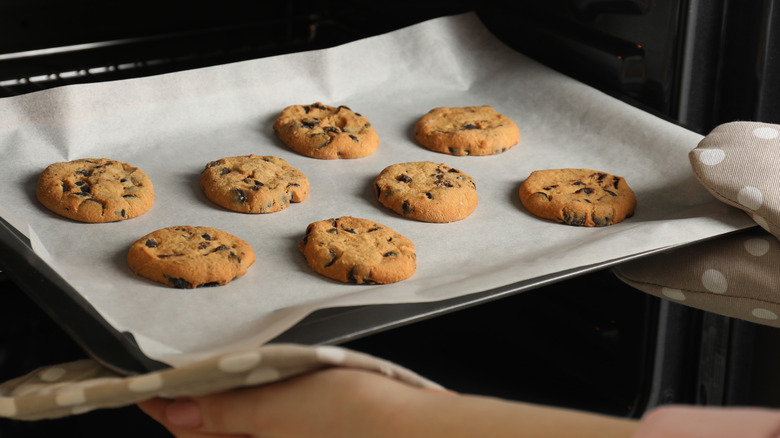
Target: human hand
[341,402]
[331,403]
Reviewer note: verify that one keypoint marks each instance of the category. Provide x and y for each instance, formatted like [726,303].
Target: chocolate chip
[543,194]
[350,230]
[602,221]
[470,126]
[178,283]
[374,229]
[333,258]
[586,190]
[390,254]
[130,196]
[151,243]
[578,183]
[65,187]
[327,142]
[573,218]
[378,190]
[610,192]
[122,212]
[404,178]
[221,248]
[407,208]
[205,236]
[351,275]
[310,123]
[331,129]
[341,107]
[209,284]
[239,196]
[224,171]
[355,139]
[203,245]
[333,231]
[550,187]
[83,172]
[615,181]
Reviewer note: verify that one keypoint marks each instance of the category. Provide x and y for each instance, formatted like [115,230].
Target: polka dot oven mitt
[735,275]
[82,386]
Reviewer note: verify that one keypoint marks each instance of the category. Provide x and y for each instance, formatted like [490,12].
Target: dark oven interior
[590,343]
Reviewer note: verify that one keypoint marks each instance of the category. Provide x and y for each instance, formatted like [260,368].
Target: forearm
[444,415]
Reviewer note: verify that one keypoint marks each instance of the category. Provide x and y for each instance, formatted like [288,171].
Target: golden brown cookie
[253,184]
[470,130]
[426,191]
[95,190]
[326,132]
[361,251]
[186,257]
[582,197]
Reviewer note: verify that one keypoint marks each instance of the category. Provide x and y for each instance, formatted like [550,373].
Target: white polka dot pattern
[333,355]
[766,132]
[674,294]
[711,157]
[262,375]
[52,374]
[83,386]
[70,397]
[239,362]
[735,275]
[757,247]
[145,383]
[750,197]
[714,281]
[738,163]
[764,314]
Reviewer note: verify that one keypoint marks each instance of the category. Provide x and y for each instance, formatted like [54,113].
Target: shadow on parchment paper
[265,127]
[646,199]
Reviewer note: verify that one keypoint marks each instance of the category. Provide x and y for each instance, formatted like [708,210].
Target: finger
[179,418]
[233,412]
[155,408]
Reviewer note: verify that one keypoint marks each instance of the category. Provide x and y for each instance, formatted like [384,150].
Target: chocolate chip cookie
[187,257]
[471,130]
[360,251]
[426,191]
[253,184]
[581,197]
[95,190]
[326,132]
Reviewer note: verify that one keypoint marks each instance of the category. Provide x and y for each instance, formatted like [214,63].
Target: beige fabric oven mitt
[736,275]
[85,385]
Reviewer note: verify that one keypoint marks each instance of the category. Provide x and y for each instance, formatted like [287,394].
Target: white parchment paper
[172,125]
